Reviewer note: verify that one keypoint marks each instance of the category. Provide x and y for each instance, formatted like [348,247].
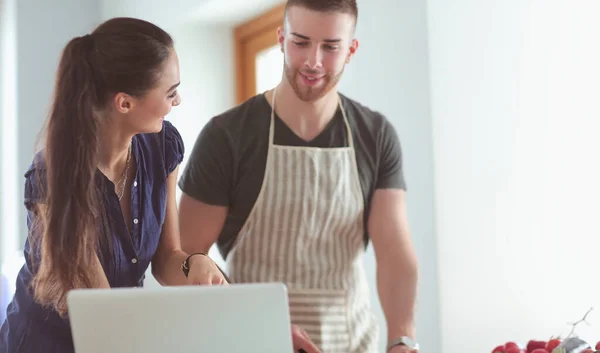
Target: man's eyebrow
[301,36]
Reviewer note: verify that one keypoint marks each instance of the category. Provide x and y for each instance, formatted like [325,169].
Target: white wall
[515,117]
[159,12]
[8,85]
[7,143]
[390,73]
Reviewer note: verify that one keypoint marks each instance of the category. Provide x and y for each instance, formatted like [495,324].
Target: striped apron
[306,230]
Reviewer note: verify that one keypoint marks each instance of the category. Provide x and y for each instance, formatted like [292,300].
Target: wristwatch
[404,341]
[185,266]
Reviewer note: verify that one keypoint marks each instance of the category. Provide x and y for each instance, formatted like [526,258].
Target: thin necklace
[123,179]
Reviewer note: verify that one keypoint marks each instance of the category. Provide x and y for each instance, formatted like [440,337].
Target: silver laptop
[238,318]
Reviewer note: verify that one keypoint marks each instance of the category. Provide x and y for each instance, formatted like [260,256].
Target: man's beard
[310,94]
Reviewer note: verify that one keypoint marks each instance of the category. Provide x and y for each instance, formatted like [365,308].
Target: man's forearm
[397,278]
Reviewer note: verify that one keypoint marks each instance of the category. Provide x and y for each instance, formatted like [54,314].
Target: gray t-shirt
[227,163]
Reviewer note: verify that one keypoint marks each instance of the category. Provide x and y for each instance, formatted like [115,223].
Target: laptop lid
[237,318]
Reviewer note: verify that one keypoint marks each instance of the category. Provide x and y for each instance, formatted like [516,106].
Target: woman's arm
[166,263]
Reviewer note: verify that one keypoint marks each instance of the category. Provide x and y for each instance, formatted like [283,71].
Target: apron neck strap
[272,124]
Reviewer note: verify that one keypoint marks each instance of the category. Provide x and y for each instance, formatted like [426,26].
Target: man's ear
[352,51]
[280,37]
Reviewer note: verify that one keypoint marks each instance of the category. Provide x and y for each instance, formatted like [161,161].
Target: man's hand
[402,349]
[301,341]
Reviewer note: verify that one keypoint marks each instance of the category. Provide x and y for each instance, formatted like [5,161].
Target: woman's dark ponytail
[71,209]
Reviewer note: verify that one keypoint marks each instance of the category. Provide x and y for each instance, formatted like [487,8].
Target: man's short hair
[342,6]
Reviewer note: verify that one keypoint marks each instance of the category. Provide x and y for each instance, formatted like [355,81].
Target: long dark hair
[121,55]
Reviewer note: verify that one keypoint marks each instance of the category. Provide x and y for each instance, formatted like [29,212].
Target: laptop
[237,318]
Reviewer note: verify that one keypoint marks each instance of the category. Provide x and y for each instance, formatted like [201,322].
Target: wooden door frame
[251,38]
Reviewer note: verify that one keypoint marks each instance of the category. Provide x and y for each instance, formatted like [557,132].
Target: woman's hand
[203,271]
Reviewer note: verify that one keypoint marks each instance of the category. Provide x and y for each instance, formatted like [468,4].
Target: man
[293,183]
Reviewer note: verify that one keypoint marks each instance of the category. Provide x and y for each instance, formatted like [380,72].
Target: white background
[496,104]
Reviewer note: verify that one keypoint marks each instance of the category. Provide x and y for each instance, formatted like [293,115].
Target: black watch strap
[185,266]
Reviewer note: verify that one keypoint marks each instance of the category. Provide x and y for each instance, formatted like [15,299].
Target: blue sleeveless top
[30,328]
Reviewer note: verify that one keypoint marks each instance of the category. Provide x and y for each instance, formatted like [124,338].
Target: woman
[101,194]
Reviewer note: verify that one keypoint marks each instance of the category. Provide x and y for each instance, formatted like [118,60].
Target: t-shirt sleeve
[390,170]
[174,148]
[208,175]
